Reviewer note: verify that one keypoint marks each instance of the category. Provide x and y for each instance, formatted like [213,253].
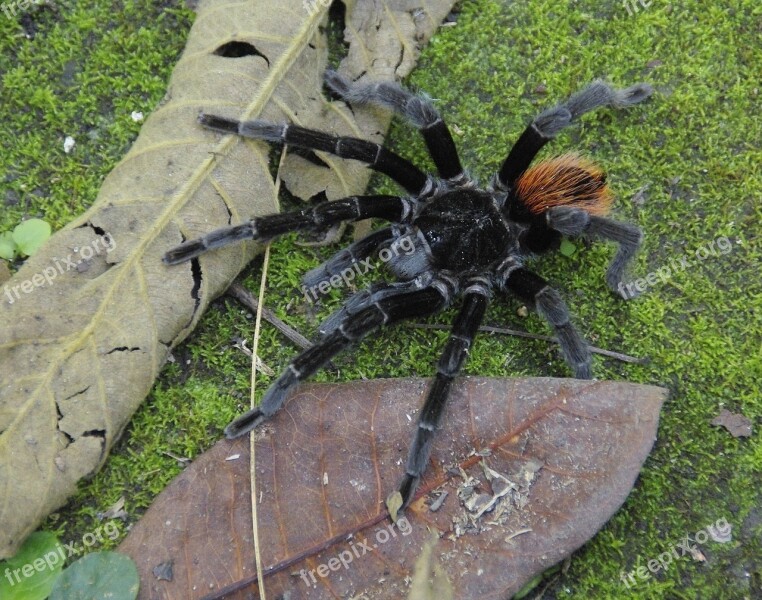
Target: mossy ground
[695,145]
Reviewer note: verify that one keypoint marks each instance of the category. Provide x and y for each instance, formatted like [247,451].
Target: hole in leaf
[99,433]
[122,349]
[238,49]
[195,291]
[309,155]
[337,45]
[101,232]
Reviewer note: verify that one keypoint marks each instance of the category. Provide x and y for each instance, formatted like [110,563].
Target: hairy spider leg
[343,259]
[567,180]
[352,208]
[576,222]
[365,298]
[416,109]
[378,158]
[384,311]
[462,335]
[536,292]
[549,123]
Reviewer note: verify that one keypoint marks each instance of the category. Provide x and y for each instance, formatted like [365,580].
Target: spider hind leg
[535,291]
[353,328]
[576,222]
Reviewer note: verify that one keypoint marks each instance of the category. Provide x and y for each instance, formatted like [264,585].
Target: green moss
[695,145]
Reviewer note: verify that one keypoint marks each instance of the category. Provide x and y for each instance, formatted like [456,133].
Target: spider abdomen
[464,230]
[566,180]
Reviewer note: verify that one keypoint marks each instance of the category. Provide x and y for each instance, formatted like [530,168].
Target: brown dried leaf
[560,456]
[735,423]
[81,351]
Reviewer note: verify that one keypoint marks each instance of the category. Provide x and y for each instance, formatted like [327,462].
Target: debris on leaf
[393,505]
[163,572]
[437,504]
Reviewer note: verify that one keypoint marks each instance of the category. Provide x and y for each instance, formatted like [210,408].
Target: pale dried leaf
[81,352]
[429,581]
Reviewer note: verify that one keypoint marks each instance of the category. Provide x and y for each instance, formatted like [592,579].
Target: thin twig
[488,328]
[246,298]
[252,440]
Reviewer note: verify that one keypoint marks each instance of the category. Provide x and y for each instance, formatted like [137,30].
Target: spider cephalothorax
[467,241]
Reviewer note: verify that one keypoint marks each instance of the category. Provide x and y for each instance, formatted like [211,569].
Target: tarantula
[468,241]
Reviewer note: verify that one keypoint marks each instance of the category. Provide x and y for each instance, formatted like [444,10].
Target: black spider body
[465,242]
[465,231]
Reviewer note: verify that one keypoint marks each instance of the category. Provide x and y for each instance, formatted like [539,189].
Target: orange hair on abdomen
[567,180]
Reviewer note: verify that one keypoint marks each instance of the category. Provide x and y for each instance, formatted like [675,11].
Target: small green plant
[24,240]
[567,248]
[36,572]
[30,574]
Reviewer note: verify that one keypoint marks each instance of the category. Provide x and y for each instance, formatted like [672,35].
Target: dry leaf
[81,348]
[560,455]
[736,424]
[5,272]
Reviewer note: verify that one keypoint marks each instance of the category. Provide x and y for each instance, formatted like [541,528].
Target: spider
[467,241]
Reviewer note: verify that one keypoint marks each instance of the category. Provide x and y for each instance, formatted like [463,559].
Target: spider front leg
[383,310]
[577,222]
[417,110]
[462,335]
[354,208]
[378,158]
[535,291]
[549,123]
